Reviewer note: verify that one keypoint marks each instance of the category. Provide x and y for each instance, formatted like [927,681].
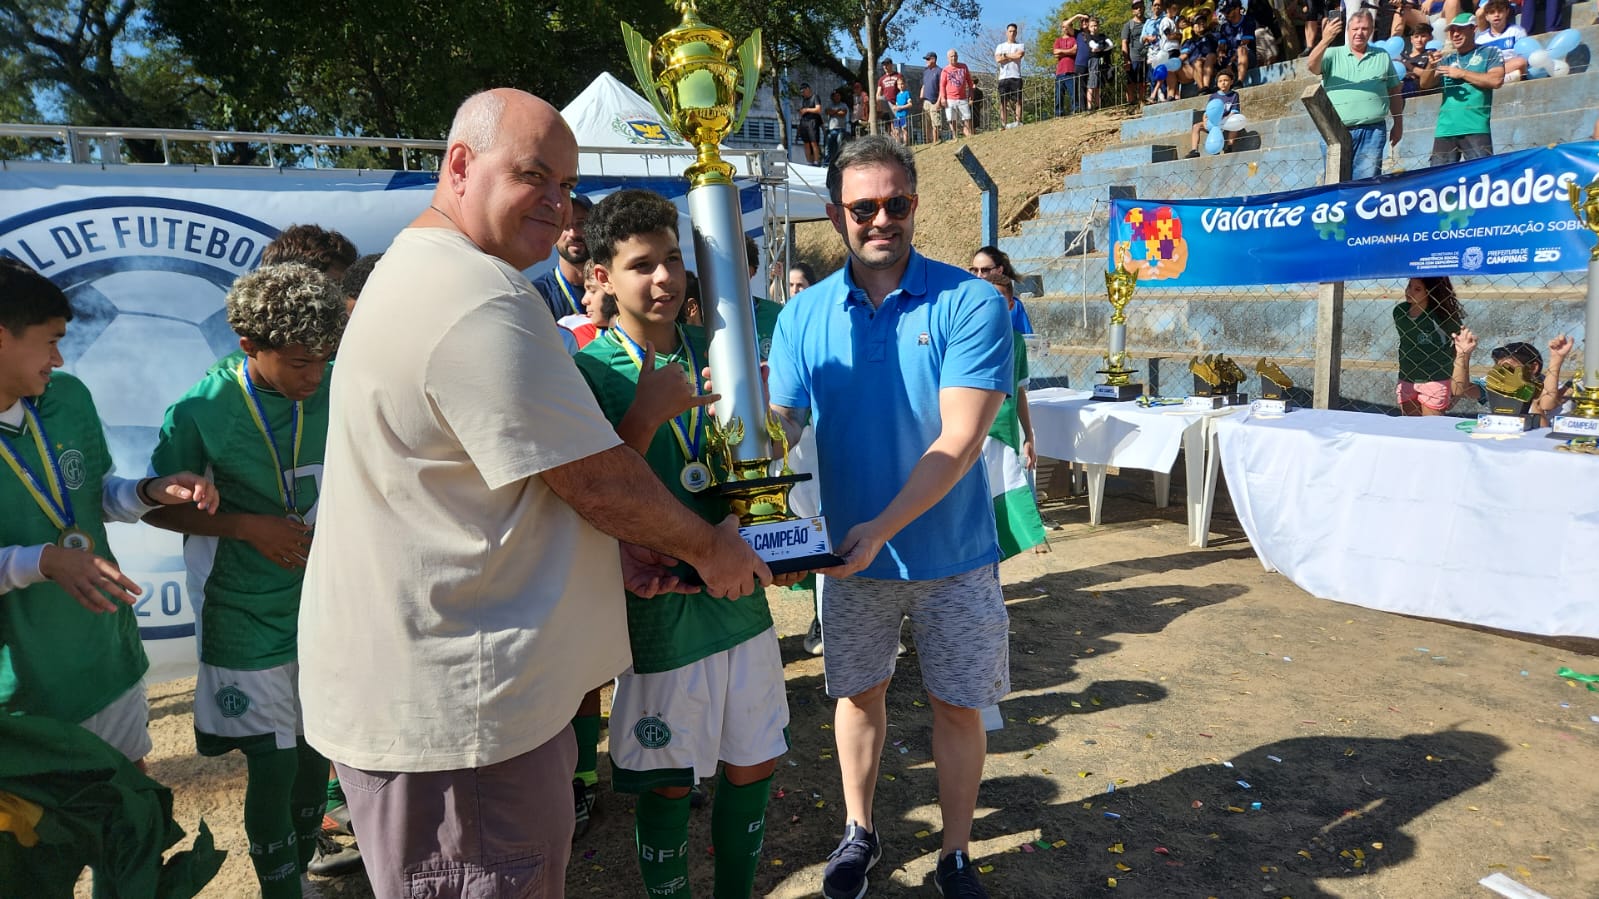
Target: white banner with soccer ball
[146,256]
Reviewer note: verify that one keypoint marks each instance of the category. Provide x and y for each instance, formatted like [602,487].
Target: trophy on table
[1510,397]
[1216,380]
[1119,285]
[702,87]
[1274,386]
[1581,428]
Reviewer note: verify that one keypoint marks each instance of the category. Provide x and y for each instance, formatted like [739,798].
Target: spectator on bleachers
[1100,47]
[901,111]
[1134,54]
[1008,56]
[1197,57]
[1469,74]
[1229,105]
[1416,58]
[887,88]
[1236,40]
[810,124]
[1552,398]
[1494,29]
[1080,86]
[955,93]
[932,116]
[1544,16]
[1065,51]
[837,125]
[1364,89]
[861,111]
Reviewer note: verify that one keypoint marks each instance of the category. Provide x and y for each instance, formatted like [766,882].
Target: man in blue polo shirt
[900,363]
[562,286]
[1364,89]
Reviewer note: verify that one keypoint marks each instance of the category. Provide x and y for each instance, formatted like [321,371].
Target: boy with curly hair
[706,685]
[260,427]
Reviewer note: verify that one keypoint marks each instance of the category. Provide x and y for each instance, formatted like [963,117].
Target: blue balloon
[1213,112]
[1214,140]
[1563,42]
[1435,44]
[1160,72]
[1537,73]
[1394,45]
[1527,46]
[1399,70]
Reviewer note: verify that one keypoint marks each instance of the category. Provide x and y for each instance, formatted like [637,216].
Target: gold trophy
[702,87]
[1581,428]
[1274,386]
[1216,380]
[1118,386]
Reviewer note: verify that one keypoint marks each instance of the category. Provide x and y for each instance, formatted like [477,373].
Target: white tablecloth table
[1069,425]
[1412,515]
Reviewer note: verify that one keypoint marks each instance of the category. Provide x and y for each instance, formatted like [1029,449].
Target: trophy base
[1118,393]
[1565,427]
[1235,399]
[1270,406]
[799,544]
[1491,423]
[1203,403]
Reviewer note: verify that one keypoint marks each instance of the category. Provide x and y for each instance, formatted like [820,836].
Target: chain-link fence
[1384,339]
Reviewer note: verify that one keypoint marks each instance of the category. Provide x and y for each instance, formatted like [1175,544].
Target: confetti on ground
[1376,845]
[793,764]
[904,751]
[820,803]
[1162,850]
[1197,804]
[1305,853]
[1117,849]
[1123,868]
[1254,806]
[1110,882]
[985,869]
[1542,858]
[1242,783]
[589,855]
[1234,808]
[1208,736]
[597,868]
[923,834]
[1058,844]
[1422,649]
[1226,764]
[777,863]
[1288,658]
[1028,847]
[1113,816]
[918,703]
[888,777]
[825,756]
[1084,773]
[1275,759]
[827,727]
[1040,843]
[898,742]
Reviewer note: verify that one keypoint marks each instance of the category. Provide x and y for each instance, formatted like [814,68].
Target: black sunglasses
[865,209]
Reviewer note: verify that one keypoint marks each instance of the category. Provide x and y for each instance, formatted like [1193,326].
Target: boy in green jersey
[260,429]
[69,639]
[707,679]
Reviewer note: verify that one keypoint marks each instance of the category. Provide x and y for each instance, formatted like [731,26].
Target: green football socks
[738,828]
[587,730]
[661,827]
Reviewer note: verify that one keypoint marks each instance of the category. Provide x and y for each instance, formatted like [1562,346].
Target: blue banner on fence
[1497,215]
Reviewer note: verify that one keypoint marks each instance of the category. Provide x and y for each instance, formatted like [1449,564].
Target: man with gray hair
[464,588]
[901,363]
[1364,89]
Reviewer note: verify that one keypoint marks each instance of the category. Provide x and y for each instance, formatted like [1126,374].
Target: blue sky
[933,33]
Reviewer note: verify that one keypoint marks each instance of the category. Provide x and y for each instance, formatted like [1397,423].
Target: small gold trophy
[1118,386]
[702,88]
[1274,386]
[1216,380]
[1581,428]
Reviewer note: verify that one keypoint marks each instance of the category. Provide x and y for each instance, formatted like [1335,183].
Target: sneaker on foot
[583,798]
[957,876]
[698,796]
[337,820]
[334,859]
[1192,154]
[813,638]
[845,877]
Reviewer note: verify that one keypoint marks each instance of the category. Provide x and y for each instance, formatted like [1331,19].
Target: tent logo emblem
[643,131]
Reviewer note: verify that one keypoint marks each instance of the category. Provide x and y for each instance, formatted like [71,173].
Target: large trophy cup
[1119,285]
[703,92]
[1581,428]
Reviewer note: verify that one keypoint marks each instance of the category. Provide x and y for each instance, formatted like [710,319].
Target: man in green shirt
[1364,89]
[1469,74]
[707,678]
[260,428]
[69,638]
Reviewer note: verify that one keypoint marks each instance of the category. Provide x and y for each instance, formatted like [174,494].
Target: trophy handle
[749,59]
[641,54]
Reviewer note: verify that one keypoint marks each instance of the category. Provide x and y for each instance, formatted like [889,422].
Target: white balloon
[1158,58]
[1512,77]
[1234,122]
[1559,67]
[1539,59]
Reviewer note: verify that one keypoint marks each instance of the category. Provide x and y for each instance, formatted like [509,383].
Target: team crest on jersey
[72,469]
[232,701]
[652,732]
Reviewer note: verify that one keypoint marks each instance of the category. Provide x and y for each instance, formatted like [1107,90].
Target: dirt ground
[1183,724]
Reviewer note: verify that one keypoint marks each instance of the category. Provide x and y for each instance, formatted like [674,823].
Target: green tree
[1112,15]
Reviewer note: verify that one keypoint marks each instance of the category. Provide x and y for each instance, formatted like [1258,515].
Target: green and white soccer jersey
[672,630]
[1015,509]
[766,313]
[57,659]
[251,606]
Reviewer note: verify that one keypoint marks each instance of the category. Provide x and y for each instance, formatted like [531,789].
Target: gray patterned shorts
[959,623]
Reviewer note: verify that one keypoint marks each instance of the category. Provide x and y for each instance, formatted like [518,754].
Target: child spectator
[1494,29]
[1100,47]
[706,684]
[902,111]
[1553,397]
[1427,323]
[1416,57]
[261,427]
[1229,105]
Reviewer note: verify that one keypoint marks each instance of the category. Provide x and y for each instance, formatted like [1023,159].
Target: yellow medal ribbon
[49,493]
[287,495]
[566,291]
[686,427]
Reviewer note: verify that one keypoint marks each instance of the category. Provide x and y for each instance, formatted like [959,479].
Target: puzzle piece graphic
[1151,249]
[1163,229]
[1330,230]
[1167,247]
[1457,218]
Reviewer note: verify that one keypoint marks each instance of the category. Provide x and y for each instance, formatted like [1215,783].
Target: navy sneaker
[845,877]
[957,877]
